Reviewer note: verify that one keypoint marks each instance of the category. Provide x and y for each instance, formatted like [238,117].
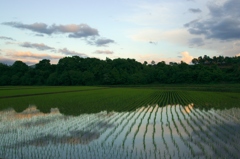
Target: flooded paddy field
[192,130]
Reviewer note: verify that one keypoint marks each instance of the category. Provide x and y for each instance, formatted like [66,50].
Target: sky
[145,30]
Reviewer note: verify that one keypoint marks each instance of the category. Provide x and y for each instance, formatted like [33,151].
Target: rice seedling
[97,122]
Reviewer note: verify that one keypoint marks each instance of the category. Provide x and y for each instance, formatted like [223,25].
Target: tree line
[76,70]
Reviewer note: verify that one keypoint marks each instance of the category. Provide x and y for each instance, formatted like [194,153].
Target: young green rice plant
[214,132]
[222,134]
[123,126]
[131,127]
[154,131]
[132,119]
[147,124]
[184,128]
[163,135]
[199,145]
[139,125]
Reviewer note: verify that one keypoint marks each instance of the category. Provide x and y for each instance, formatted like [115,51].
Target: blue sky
[158,30]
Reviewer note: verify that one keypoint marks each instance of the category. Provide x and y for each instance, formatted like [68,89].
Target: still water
[149,132]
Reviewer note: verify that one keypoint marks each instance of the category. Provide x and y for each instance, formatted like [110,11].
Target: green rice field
[163,121]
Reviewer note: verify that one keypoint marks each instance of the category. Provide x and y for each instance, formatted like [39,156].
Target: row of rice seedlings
[185,99]
[211,134]
[170,99]
[112,120]
[70,124]
[213,147]
[165,99]
[173,110]
[146,110]
[230,115]
[140,112]
[185,130]
[117,126]
[199,145]
[173,99]
[154,131]
[128,126]
[169,125]
[105,120]
[122,127]
[147,127]
[201,130]
[224,135]
[120,120]
[227,119]
[140,99]
[163,136]
[176,128]
[207,116]
[123,133]
[42,90]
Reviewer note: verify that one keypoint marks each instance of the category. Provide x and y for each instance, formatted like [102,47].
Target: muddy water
[148,132]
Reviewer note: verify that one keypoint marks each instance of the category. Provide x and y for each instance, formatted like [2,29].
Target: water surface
[149,132]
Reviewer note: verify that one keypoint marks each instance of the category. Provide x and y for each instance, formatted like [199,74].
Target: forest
[76,70]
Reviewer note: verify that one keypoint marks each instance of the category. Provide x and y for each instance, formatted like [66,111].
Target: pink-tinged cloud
[28,54]
[10,61]
[186,57]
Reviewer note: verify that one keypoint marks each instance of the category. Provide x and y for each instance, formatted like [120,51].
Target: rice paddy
[103,123]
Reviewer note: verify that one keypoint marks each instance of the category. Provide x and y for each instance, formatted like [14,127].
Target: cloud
[103,52]
[196,42]
[186,57]
[238,54]
[41,35]
[9,61]
[76,31]
[65,51]
[28,54]
[6,38]
[80,31]
[152,42]
[223,22]
[11,43]
[101,42]
[178,36]
[6,61]
[40,47]
[194,10]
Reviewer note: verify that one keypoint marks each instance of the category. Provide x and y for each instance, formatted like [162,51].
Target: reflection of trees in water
[154,132]
[75,137]
[218,135]
[32,127]
[225,145]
